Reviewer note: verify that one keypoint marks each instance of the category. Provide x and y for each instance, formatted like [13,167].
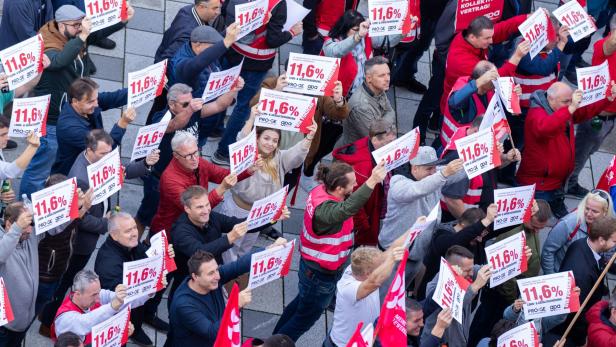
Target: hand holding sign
[55,205]
[267,210]
[593,82]
[143,277]
[29,115]
[507,258]
[549,295]
[514,205]
[388,17]
[148,139]
[270,264]
[311,74]
[221,82]
[243,153]
[535,31]
[113,331]
[399,151]
[146,84]
[23,61]
[479,152]
[106,176]
[250,16]
[572,15]
[450,290]
[285,111]
[105,13]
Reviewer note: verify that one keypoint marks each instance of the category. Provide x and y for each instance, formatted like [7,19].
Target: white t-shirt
[349,312]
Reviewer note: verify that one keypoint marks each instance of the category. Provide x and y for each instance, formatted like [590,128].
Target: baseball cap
[426,155]
[205,34]
[69,12]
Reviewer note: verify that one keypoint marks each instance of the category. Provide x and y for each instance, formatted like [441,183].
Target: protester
[68,339]
[13,169]
[320,21]
[359,155]
[415,324]
[601,319]
[572,227]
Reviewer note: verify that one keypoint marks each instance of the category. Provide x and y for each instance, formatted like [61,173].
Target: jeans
[312,46]
[406,62]
[252,84]
[151,198]
[316,290]
[10,338]
[209,124]
[39,168]
[430,102]
[45,294]
[556,199]
[587,142]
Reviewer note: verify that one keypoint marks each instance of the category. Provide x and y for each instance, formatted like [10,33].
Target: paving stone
[108,68]
[285,50]
[258,324]
[148,20]
[110,117]
[130,198]
[117,52]
[142,42]
[267,298]
[128,141]
[293,225]
[172,9]
[406,113]
[150,4]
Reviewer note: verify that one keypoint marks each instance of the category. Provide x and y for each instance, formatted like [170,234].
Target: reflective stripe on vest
[69,306]
[450,125]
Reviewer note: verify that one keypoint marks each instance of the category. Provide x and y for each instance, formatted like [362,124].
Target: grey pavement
[135,49]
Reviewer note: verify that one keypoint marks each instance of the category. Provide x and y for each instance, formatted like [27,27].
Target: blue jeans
[209,124]
[316,291]
[151,197]
[252,83]
[37,172]
[45,294]
[556,200]
[9,338]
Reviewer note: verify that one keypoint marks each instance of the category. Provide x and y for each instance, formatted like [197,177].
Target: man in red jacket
[359,155]
[471,45]
[549,145]
[602,324]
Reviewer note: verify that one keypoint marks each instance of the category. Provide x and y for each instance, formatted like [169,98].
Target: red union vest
[258,48]
[68,306]
[348,65]
[532,83]
[450,124]
[328,12]
[329,251]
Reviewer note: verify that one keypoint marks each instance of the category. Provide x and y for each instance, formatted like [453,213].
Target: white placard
[419,227]
[105,176]
[270,264]
[507,258]
[112,332]
[29,115]
[399,151]
[243,153]
[388,17]
[548,295]
[267,210]
[285,111]
[159,245]
[105,13]
[505,88]
[450,290]
[524,335]
[6,312]
[593,81]
[250,16]
[146,84]
[535,31]
[221,82]
[312,74]
[55,205]
[142,277]
[478,152]
[295,13]
[580,24]
[495,118]
[514,205]
[23,61]
[148,139]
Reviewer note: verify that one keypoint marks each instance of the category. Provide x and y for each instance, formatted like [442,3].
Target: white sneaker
[307,183]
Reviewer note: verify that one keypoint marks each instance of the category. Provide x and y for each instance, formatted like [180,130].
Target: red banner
[470,9]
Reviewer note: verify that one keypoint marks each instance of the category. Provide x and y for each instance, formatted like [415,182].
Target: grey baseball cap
[426,155]
[69,12]
[205,34]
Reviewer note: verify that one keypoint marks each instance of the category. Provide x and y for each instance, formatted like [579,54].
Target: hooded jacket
[110,261]
[601,332]
[549,142]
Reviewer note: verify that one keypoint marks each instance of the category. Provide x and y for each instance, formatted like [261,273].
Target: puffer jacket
[601,332]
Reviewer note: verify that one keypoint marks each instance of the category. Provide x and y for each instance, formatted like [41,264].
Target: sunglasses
[601,193]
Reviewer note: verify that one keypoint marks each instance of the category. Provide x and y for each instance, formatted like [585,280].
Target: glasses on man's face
[74,25]
[183,104]
[189,156]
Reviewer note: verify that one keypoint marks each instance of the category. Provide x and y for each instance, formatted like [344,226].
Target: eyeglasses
[601,193]
[74,25]
[189,156]
[183,104]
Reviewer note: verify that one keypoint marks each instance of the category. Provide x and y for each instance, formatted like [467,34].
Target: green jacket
[329,216]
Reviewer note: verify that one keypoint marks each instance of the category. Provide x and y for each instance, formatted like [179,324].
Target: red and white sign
[495,118]
[608,179]
[146,84]
[229,333]
[243,153]
[221,82]
[535,31]
[399,151]
[55,205]
[250,16]
[268,209]
[450,290]
[23,61]
[579,22]
[159,245]
[507,258]
[113,332]
[389,17]
[479,152]
[106,176]
[6,312]
[148,139]
[285,111]
[362,337]
[593,81]
[468,10]
[270,264]
[514,205]
[524,335]
[505,87]
[391,326]
[549,295]
[105,13]
[312,74]
[29,115]
[418,227]
[142,277]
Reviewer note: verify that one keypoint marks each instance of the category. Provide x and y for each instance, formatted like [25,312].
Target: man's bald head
[559,95]
[481,68]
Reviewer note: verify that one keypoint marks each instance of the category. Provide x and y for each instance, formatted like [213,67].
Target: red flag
[551,31]
[608,179]
[391,327]
[229,331]
[357,340]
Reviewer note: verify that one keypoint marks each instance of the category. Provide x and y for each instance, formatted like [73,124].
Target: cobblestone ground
[135,50]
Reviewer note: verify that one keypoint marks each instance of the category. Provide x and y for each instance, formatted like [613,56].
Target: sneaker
[577,190]
[216,134]
[220,159]
[271,233]
[413,85]
[105,43]
[157,323]
[307,183]
[581,63]
[139,337]
[44,331]
[434,124]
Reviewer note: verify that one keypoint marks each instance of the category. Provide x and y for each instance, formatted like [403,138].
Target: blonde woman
[265,181]
[574,226]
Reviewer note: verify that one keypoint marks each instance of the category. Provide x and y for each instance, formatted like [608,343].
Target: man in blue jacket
[82,114]
[21,19]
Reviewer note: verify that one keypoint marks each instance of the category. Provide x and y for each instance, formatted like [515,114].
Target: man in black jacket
[122,246]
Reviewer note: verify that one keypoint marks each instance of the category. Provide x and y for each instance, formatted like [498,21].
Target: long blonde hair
[269,165]
[600,196]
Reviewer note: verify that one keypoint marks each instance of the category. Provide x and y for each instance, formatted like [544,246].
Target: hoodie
[601,332]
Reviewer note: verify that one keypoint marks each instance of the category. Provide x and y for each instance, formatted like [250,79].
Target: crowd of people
[358,215]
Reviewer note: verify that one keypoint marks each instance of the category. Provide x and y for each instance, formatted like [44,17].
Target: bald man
[549,148]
